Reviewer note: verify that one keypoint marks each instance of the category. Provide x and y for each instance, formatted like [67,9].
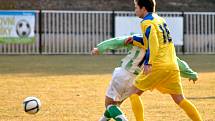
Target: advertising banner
[17,27]
[125,25]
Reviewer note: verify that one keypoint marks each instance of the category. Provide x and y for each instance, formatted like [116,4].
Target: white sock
[103,118]
[122,117]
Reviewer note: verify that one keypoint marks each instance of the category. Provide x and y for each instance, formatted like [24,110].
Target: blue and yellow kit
[158,43]
[160,53]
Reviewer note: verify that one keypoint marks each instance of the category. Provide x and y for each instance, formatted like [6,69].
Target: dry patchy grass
[69,94]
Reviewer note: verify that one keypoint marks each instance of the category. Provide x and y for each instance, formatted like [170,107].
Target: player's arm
[152,43]
[186,71]
[136,40]
[147,41]
[110,44]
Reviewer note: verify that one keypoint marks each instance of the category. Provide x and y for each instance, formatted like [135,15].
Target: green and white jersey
[133,61]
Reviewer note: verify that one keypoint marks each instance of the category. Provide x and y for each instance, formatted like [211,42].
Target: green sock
[107,114]
[116,113]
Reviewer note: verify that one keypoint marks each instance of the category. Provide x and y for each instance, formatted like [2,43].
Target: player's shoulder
[149,19]
[151,22]
[146,23]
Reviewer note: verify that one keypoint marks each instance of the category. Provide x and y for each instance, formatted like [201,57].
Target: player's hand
[194,80]
[95,51]
[128,41]
[147,69]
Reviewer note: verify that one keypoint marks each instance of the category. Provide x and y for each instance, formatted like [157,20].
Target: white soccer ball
[23,28]
[31,105]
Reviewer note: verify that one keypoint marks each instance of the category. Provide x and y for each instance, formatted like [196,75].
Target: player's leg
[172,85]
[178,97]
[137,107]
[114,110]
[114,95]
[187,106]
[142,83]
[106,116]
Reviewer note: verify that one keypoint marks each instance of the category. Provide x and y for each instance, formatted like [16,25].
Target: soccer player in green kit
[125,74]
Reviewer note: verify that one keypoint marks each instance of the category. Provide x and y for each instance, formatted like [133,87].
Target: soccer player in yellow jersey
[124,75]
[161,70]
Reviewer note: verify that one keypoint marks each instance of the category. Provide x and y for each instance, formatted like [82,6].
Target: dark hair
[148,4]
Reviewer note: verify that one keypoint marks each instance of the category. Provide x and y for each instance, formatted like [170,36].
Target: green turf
[83,64]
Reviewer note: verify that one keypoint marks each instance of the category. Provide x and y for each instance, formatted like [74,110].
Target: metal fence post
[183,46]
[40,31]
[113,27]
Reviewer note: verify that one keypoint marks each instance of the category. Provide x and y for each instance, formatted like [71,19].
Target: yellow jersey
[160,50]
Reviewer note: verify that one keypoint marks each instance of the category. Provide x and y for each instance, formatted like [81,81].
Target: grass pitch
[72,88]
